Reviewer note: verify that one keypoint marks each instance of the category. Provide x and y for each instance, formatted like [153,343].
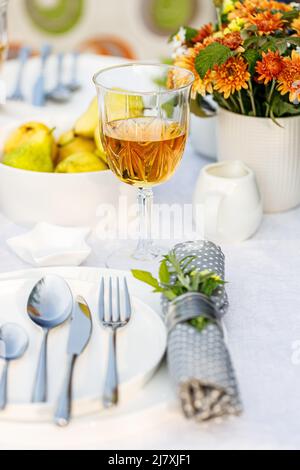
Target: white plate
[141,347]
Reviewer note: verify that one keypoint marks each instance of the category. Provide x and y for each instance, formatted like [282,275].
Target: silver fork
[17,94]
[113,319]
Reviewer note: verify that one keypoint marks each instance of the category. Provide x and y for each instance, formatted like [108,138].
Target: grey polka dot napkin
[199,362]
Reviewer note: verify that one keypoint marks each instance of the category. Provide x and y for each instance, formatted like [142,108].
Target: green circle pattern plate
[58,17]
[165,16]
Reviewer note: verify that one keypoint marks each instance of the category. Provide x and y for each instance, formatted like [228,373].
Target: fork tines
[114,302]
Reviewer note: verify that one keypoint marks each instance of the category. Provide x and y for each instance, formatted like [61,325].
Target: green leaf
[200,323]
[290,15]
[280,107]
[282,46]
[169,107]
[252,41]
[164,274]
[170,295]
[191,33]
[161,81]
[197,110]
[146,277]
[251,56]
[295,41]
[214,54]
[202,108]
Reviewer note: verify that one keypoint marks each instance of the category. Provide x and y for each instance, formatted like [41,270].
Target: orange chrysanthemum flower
[273,5]
[243,10]
[270,67]
[232,40]
[289,79]
[187,61]
[296,25]
[209,40]
[206,31]
[249,7]
[266,22]
[231,76]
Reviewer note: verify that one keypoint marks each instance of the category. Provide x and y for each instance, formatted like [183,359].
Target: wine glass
[3,44]
[3,31]
[144,122]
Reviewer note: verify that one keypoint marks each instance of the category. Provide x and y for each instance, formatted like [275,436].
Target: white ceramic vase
[271,151]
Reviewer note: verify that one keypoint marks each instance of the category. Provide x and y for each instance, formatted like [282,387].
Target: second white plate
[141,346]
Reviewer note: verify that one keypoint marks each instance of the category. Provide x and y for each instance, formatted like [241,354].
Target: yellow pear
[31,133]
[82,162]
[86,124]
[100,152]
[121,106]
[68,144]
[66,138]
[31,157]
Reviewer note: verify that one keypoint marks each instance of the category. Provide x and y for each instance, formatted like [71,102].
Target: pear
[68,144]
[86,124]
[31,133]
[66,138]
[82,162]
[31,157]
[121,106]
[100,152]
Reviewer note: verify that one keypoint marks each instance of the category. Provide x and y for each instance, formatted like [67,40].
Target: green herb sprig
[178,277]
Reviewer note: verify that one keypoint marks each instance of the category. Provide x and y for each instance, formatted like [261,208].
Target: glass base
[129,257]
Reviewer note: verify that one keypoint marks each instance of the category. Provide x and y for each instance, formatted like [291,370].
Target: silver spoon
[49,305]
[13,345]
[74,84]
[61,93]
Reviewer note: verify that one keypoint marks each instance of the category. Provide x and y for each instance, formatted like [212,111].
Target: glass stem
[145,201]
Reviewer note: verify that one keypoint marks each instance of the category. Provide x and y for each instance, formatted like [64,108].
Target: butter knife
[79,337]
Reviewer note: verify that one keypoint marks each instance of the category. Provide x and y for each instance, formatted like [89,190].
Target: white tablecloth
[263,327]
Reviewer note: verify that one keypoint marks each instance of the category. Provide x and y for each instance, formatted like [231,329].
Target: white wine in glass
[144,128]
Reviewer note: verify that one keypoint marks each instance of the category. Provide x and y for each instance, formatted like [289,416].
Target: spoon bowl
[60,94]
[13,345]
[50,302]
[49,305]
[13,342]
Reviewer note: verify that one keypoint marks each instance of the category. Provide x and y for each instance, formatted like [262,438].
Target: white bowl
[28,197]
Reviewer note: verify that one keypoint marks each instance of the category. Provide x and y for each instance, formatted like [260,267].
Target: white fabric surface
[263,326]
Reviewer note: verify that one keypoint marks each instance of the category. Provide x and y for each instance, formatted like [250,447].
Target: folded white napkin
[51,245]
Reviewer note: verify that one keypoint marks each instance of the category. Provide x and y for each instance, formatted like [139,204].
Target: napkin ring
[189,306]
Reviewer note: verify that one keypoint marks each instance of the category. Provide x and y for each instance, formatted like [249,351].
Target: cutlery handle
[111,393]
[45,53]
[24,55]
[63,411]
[23,58]
[60,62]
[3,386]
[40,386]
[75,65]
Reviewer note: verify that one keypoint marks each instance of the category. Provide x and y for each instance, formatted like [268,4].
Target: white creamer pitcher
[228,196]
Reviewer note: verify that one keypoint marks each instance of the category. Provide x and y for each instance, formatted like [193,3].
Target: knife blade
[79,337]
[81,328]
